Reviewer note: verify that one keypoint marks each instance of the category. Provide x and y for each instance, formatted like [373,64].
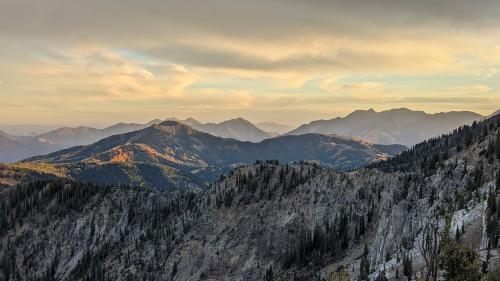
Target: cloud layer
[103,61]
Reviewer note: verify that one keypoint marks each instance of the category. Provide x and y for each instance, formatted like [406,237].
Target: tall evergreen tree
[459,262]
[364,267]
[497,145]
[407,266]
[269,274]
[381,277]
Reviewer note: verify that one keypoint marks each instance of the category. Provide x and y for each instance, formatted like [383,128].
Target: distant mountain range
[238,129]
[17,147]
[86,135]
[165,154]
[395,126]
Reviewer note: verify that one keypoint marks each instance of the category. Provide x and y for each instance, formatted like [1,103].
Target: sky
[73,62]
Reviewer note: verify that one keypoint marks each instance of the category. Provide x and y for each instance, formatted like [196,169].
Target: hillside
[172,148]
[395,126]
[267,221]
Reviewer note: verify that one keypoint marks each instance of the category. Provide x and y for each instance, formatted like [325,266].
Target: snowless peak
[192,120]
[361,113]
[154,121]
[170,123]
[237,120]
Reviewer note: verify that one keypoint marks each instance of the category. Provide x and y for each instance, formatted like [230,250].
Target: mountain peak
[361,113]
[239,120]
[154,121]
[191,119]
[175,128]
[171,123]
[401,109]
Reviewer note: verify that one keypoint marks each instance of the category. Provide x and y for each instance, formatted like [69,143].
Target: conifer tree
[269,274]
[457,235]
[364,267]
[382,277]
[458,261]
[497,145]
[407,266]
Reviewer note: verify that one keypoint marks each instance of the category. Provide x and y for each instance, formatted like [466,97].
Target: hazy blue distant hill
[274,127]
[395,126]
[86,135]
[13,149]
[237,128]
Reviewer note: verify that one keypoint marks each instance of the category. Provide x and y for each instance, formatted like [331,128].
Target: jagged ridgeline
[272,221]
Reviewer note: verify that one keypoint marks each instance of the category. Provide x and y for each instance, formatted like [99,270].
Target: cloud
[224,56]
[471,89]
[447,100]
[361,87]
[99,74]
[144,20]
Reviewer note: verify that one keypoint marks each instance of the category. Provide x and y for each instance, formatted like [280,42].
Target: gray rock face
[301,220]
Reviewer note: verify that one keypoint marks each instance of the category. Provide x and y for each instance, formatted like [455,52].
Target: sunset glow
[99,62]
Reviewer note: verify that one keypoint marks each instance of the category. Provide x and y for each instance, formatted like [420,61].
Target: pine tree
[497,145]
[364,267]
[459,262]
[492,219]
[498,180]
[407,266]
[432,197]
[269,274]
[457,235]
[382,277]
